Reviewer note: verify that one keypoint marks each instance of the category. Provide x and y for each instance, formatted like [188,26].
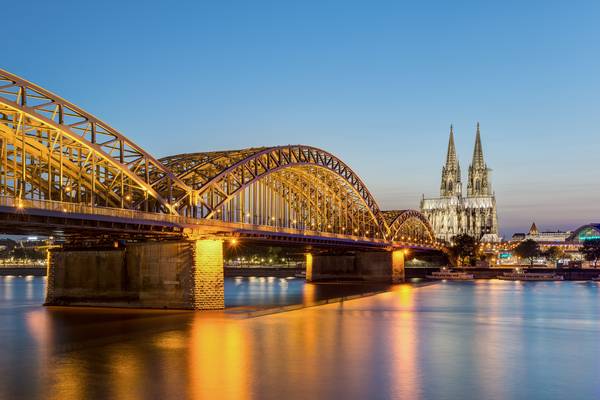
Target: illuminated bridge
[158,225]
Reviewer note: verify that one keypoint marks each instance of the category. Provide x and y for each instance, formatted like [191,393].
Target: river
[486,339]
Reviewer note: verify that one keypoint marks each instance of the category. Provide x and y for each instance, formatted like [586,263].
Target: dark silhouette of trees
[464,249]
[554,254]
[591,250]
[528,249]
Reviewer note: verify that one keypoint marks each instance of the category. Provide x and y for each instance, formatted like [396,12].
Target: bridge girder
[51,149]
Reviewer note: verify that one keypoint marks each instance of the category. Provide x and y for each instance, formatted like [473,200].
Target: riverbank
[568,274]
[262,271]
[22,270]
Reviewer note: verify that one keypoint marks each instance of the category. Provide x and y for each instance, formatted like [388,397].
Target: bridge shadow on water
[248,295]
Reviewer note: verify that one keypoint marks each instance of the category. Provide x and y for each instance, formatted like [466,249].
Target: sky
[377,83]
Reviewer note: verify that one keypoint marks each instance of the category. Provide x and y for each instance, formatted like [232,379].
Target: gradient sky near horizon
[375,82]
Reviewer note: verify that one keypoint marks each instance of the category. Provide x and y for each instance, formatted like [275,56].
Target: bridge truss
[53,151]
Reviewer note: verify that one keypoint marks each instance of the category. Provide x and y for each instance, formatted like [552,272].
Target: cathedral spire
[451,214]
[451,185]
[478,161]
[478,183]
[451,158]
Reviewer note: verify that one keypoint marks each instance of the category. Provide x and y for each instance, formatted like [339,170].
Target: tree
[528,249]
[464,248]
[554,253]
[28,253]
[567,256]
[591,250]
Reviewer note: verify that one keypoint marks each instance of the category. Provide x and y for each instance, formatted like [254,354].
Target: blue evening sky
[375,82]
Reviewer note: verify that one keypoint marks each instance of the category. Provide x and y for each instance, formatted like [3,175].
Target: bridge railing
[79,208]
[243,226]
[184,222]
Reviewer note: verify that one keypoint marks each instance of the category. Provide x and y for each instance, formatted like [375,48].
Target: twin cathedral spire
[452,214]
[478,183]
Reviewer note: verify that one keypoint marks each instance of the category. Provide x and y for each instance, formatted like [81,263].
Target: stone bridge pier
[183,274]
[186,274]
[373,266]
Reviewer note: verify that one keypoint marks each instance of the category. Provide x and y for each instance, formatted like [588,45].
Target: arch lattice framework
[409,225]
[51,149]
[291,186]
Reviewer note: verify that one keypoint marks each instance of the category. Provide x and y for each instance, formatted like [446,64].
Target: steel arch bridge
[56,156]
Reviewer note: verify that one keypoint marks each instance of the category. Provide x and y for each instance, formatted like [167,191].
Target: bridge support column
[175,275]
[372,266]
[398,266]
[208,280]
[309,267]
[50,277]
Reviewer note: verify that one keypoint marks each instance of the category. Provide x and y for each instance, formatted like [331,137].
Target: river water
[450,340]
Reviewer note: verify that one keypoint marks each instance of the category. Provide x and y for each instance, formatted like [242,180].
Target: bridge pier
[381,266]
[175,275]
[398,272]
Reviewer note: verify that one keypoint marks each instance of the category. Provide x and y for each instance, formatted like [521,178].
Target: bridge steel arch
[227,185]
[409,226]
[84,159]
[50,149]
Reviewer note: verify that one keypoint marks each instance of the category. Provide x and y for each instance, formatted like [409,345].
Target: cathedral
[452,214]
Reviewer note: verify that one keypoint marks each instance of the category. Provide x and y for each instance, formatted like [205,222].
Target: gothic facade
[452,214]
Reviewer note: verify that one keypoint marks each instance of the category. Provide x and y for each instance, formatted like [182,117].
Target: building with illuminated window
[452,214]
[585,232]
[570,242]
[549,237]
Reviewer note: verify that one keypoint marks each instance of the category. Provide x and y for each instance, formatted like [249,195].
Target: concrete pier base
[398,272]
[382,266]
[174,275]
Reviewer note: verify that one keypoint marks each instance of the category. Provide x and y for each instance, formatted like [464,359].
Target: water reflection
[219,362]
[272,291]
[406,344]
[492,340]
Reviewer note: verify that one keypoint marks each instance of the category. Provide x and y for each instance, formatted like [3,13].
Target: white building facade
[452,214]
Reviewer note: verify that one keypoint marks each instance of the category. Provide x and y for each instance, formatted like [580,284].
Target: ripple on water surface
[467,340]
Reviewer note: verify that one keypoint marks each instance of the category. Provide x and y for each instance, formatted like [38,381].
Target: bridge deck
[50,218]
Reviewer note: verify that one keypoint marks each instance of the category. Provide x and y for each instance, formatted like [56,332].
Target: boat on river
[519,275]
[447,274]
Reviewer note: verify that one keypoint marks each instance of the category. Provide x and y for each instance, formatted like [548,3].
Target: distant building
[517,237]
[585,232]
[547,236]
[452,214]
[570,242]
